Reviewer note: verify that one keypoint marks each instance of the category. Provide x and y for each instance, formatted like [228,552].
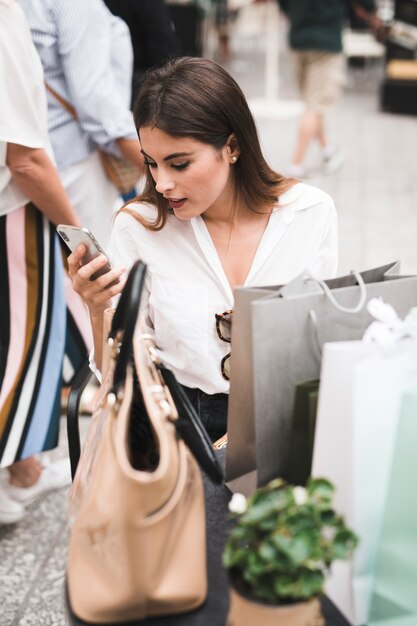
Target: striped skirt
[32,334]
[79,339]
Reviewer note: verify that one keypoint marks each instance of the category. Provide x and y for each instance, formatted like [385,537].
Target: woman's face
[193,176]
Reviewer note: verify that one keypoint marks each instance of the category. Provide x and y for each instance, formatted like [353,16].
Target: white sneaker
[333,160]
[10,510]
[295,170]
[53,476]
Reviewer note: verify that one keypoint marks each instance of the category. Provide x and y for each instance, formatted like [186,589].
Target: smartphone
[73,236]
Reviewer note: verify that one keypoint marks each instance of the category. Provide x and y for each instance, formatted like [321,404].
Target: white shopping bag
[359,405]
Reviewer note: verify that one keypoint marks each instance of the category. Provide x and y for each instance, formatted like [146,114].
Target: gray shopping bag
[277,335]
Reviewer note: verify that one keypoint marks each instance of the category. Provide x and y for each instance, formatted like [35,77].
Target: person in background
[213,216]
[87,58]
[32,312]
[315,38]
[222,25]
[152,33]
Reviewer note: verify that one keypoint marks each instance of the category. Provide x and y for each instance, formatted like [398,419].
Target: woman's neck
[234,215]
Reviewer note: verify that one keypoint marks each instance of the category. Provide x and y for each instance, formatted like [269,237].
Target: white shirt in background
[87,58]
[186,284]
[23,111]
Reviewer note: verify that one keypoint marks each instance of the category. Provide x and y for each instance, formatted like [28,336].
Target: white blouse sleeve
[127,245]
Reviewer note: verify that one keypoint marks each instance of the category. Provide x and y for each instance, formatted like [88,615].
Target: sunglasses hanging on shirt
[224,332]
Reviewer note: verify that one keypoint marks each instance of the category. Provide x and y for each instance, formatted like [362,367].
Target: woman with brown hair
[213,216]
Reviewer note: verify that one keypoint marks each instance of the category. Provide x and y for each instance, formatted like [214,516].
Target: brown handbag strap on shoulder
[122,172]
[64,103]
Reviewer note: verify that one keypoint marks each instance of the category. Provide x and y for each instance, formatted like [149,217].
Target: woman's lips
[176,204]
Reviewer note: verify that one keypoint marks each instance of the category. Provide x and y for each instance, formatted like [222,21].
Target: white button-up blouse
[186,284]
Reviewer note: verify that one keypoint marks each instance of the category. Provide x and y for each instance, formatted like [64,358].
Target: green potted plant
[279,552]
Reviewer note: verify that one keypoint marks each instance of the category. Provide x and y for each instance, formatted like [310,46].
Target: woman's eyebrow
[175,155]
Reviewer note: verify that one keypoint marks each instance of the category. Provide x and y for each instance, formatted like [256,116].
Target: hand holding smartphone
[73,236]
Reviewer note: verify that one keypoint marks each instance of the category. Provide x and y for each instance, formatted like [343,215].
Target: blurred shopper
[32,312]
[152,33]
[222,25]
[226,13]
[316,41]
[87,58]
[213,216]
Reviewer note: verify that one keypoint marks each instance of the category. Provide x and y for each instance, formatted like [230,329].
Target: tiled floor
[32,561]
[376,197]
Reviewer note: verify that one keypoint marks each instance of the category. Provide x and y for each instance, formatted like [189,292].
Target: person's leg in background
[32,344]
[221,21]
[311,128]
[320,77]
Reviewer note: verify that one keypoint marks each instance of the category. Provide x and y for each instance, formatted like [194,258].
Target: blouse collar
[297,198]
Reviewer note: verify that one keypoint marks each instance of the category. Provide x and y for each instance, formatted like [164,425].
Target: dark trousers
[212,411]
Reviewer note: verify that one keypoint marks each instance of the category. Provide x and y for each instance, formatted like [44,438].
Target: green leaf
[297,549]
[344,542]
[281,541]
[268,505]
[256,564]
[305,585]
[284,587]
[328,517]
[267,551]
[301,547]
[239,532]
[310,583]
[264,589]
[233,556]
[320,488]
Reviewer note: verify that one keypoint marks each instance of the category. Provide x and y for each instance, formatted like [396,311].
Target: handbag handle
[336,304]
[120,338]
[124,322]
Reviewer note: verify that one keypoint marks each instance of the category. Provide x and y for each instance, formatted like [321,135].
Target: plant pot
[245,611]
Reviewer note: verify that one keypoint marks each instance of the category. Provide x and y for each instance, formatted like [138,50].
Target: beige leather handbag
[137,523]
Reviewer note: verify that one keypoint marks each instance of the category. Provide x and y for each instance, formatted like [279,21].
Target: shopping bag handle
[124,321]
[313,315]
[336,304]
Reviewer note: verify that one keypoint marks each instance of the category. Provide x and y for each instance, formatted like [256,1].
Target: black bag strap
[124,321]
[79,383]
[191,429]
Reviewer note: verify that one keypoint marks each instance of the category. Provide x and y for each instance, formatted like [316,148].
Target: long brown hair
[194,97]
